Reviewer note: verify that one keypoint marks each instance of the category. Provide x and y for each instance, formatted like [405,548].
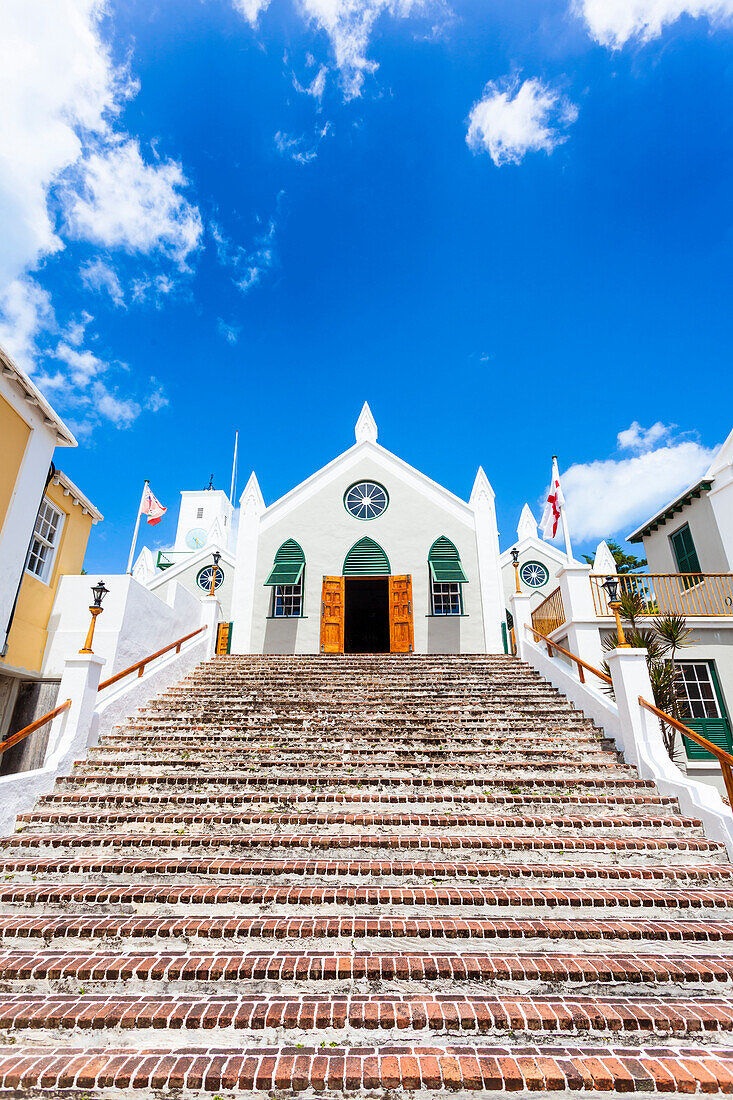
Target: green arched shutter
[366,559]
[288,566]
[445,565]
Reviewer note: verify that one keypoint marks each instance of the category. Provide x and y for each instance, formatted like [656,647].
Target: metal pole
[234,470]
[137,528]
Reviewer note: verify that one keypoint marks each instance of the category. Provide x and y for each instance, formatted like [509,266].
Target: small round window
[534,574]
[203,580]
[366,500]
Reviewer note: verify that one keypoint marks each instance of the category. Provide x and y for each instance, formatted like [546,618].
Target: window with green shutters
[684,550]
[703,707]
[446,577]
[286,580]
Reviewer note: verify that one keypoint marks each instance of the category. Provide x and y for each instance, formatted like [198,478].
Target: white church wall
[699,515]
[326,532]
[213,504]
[186,578]
[134,622]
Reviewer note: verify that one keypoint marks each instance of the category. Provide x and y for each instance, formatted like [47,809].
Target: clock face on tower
[196,538]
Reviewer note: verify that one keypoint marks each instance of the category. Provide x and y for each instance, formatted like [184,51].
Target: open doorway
[367,615]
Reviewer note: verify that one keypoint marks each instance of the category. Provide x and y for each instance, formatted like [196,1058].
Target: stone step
[643,899]
[350,1070]
[626,781]
[359,841]
[357,868]
[103,927]
[704,1018]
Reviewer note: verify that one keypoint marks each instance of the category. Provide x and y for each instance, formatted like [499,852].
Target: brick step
[639,898]
[449,820]
[165,757]
[626,781]
[358,841]
[462,769]
[266,927]
[356,868]
[349,1070]
[662,804]
[703,1017]
[198,741]
[290,965]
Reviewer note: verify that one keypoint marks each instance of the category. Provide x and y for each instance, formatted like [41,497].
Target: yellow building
[59,543]
[44,527]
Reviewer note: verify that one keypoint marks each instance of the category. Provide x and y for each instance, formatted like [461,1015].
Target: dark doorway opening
[367,615]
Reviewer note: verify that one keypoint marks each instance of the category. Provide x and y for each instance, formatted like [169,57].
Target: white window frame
[284,597]
[437,597]
[41,541]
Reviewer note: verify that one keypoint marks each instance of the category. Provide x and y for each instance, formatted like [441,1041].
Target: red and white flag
[151,507]
[553,505]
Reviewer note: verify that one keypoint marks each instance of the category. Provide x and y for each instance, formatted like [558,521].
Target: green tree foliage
[625,563]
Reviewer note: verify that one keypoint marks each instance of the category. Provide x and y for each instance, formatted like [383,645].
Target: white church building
[368,555]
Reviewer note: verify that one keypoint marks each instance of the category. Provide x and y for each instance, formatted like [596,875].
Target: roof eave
[670,510]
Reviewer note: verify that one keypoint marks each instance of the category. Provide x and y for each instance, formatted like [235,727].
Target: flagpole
[234,470]
[137,528]
[563,517]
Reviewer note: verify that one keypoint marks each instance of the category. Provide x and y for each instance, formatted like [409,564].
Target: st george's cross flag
[151,507]
[553,505]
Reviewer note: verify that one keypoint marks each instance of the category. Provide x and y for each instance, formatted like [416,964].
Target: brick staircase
[362,874]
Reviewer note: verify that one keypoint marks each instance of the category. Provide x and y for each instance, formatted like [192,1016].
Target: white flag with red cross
[553,505]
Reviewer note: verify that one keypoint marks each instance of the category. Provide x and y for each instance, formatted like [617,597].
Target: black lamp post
[515,563]
[217,558]
[611,586]
[99,591]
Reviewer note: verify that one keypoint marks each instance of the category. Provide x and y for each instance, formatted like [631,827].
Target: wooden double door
[367,615]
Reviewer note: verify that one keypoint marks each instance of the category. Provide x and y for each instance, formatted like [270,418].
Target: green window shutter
[684,551]
[366,559]
[288,565]
[716,730]
[445,565]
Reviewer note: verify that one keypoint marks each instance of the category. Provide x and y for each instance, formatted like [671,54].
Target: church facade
[368,555]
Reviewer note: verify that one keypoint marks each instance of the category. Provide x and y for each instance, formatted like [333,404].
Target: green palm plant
[662,639]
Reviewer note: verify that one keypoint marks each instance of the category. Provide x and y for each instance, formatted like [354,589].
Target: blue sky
[504,225]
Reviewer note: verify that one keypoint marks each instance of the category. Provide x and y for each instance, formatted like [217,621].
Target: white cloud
[614,22]
[248,264]
[511,120]
[636,438]
[251,9]
[25,308]
[229,332]
[120,411]
[317,85]
[126,203]
[611,496]
[83,365]
[156,399]
[296,147]
[99,276]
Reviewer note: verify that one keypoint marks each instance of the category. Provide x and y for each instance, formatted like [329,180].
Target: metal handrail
[725,759]
[139,667]
[579,662]
[20,735]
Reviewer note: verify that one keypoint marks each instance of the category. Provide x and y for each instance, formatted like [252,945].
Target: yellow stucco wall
[14,434]
[28,634]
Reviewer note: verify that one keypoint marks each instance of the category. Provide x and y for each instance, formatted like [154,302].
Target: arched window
[286,580]
[366,558]
[446,578]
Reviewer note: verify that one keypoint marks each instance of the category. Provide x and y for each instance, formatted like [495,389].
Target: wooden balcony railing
[689,594]
[550,614]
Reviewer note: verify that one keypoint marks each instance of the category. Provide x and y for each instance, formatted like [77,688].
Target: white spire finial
[604,561]
[366,426]
[527,526]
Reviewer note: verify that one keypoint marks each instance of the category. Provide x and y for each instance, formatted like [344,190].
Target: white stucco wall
[134,621]
[186,578]
[527,553]
[698,514]
[406,531]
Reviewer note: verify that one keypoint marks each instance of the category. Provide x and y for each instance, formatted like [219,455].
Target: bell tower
[204,517]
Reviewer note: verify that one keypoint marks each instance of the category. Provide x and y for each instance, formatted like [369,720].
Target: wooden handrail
[140,666]
[580,663]
[725,759]
[27,730]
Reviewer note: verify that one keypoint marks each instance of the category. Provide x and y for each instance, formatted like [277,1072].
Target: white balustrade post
[642,734]
[522,614]
[72,730]
[583,630]
[210,618]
